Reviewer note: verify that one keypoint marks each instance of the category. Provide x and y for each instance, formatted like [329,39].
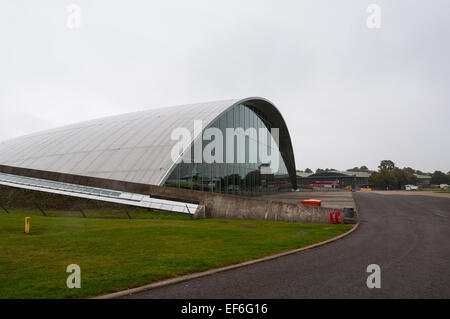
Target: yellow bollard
[27,225]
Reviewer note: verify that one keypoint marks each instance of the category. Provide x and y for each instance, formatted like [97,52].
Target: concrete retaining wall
[250,208]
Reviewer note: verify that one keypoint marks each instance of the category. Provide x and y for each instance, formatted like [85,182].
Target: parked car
[411,187]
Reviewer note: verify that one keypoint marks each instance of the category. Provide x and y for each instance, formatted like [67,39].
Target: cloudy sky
[351,95]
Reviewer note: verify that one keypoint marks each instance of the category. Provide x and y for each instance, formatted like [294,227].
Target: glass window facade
[247,174]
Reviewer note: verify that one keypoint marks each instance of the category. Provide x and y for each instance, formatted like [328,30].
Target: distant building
[334,179]
[424,180]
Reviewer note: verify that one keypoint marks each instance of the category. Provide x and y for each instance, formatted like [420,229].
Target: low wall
[250,208]
[215,205]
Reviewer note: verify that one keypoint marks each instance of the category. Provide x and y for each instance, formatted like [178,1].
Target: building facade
[249,175]
[334,179]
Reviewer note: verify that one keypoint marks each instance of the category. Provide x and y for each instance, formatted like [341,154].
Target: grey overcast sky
[351,95]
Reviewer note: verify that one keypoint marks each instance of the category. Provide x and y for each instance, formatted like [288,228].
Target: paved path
[408,236]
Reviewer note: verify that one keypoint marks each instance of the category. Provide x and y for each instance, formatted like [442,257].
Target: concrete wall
[228,207]
[216,205]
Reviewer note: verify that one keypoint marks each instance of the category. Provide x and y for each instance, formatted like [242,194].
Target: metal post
[82,212]
[190,215]
[126,211]
[4,208]
[39,207]
[27,225]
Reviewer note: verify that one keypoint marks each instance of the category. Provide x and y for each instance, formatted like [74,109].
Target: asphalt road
[408,236]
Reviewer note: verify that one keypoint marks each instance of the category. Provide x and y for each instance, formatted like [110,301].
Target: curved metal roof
[134,147]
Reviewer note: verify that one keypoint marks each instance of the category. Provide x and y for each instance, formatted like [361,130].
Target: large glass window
[249,178]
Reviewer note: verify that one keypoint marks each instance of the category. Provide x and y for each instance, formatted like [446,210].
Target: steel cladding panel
[134,147]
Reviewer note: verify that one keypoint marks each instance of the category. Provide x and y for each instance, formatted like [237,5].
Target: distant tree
[359,169]
[411,179]
[391,176]
[321,170]
[308,170]
[439,177]
[415,171]
[382,179]
[403,178]
[387,164]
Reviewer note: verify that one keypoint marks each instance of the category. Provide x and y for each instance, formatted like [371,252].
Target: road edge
[188,277]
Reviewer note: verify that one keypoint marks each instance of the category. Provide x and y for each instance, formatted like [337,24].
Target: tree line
[391,176]
[388,175]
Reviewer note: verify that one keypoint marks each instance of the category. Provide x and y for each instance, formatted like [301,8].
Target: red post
[331,217]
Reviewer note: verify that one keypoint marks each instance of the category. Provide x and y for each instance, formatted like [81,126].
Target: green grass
[118,254]
[436,190]
[135,213]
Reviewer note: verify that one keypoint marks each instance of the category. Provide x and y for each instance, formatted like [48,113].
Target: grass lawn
[134,213]
[436,190]
[116,254]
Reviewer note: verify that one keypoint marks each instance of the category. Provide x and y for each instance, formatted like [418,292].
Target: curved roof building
[136,147]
